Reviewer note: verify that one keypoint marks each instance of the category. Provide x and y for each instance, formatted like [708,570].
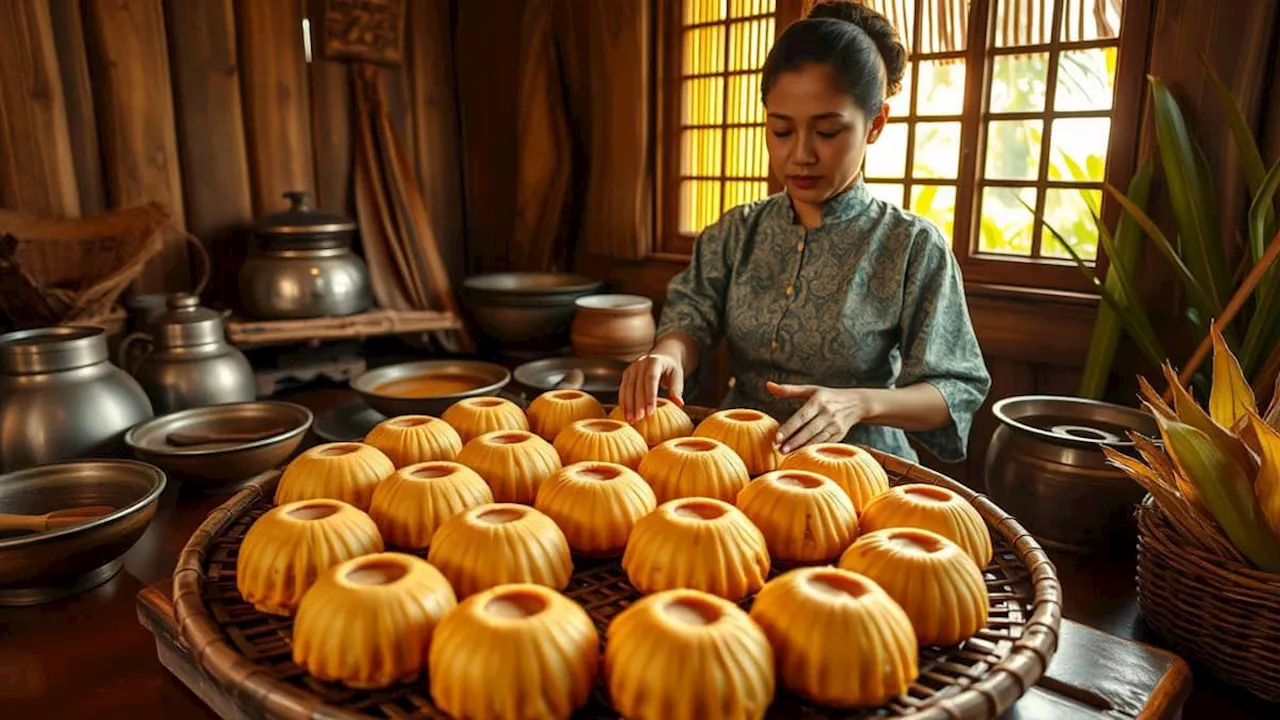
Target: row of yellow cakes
[500,498]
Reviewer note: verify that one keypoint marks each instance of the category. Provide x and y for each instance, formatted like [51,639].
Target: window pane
[937,203]
[1013,149]
[704,50]
[700,152]
[1023,22]
[1088,20]
[703,101]
[699,205]
[1019,82]
[701,11]
[749,43]
[746,153]
[937,152]
[889,192]
[1071,213]
[744,99]
[941,88]
[740,193]
[1078,149]
[887,156]
[744,8]
[1005,225]
[1086,79]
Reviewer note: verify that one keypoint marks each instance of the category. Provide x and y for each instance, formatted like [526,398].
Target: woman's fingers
[799,419]
[675,385]
[625,389]
[812,430]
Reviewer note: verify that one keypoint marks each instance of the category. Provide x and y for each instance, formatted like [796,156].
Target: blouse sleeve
[696,297]
[939,345]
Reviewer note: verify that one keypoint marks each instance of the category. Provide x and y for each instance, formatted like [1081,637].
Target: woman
[845,315]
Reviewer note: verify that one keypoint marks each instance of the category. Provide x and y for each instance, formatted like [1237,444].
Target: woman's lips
[804,182]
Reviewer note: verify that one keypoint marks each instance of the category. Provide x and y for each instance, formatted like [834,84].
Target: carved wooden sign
[370,30]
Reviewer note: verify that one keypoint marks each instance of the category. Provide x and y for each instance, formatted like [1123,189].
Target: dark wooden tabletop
[87,656]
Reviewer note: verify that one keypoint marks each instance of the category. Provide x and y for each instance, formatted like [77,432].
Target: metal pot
[302,266]
[189,364]
[1045,467]
[61,398]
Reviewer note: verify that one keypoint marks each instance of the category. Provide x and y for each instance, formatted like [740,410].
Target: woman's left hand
[826,416]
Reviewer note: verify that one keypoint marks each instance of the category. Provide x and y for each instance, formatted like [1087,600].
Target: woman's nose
[804,154]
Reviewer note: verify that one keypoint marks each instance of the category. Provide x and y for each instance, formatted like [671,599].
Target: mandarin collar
[843,207]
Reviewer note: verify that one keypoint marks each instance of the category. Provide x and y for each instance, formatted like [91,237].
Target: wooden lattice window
[716,154]
[1004,102]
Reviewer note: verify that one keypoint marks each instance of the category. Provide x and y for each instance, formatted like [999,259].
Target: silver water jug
[189,362]
[62,399]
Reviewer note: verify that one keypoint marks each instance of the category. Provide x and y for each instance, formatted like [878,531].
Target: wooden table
[88,656]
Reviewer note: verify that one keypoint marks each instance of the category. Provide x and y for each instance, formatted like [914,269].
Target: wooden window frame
[1052,274]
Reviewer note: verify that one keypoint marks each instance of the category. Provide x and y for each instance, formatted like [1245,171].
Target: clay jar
[613,326]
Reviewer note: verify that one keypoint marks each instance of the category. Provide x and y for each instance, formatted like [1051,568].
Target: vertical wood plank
[331,108]
[77,90]
[210,121]
[130,62]
[37,173]
[486,50]
[618,217]
[429,40]
[277,100]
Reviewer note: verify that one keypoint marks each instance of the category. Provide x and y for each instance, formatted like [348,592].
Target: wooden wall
[210,107]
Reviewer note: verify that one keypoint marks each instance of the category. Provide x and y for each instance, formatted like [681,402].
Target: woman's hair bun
[877,27]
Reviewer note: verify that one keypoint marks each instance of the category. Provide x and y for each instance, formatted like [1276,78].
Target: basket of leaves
[1209,533]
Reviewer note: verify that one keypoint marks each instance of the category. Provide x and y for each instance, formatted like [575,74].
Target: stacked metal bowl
[526,313]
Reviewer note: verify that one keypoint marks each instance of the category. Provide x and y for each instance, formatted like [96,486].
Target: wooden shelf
[245,333]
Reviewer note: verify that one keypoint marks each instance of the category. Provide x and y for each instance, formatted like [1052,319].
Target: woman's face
[817,135]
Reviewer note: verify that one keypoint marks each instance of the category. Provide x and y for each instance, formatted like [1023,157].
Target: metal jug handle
[122,359]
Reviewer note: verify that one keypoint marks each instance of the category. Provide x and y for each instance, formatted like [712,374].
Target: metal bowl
[601,377]
[1045,466]
[493,376]
[217,465]
[39,567]
[526,311]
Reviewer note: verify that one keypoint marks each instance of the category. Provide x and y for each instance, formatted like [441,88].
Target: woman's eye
[828,134]
[781,133]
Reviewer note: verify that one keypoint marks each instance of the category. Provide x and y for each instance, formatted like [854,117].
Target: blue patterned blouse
[871,298]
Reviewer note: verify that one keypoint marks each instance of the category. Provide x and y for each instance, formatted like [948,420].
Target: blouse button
[774,344]
[790,290]
[800,246]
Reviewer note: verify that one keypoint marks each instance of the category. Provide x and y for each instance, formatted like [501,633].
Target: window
[716,151]
[1006,105]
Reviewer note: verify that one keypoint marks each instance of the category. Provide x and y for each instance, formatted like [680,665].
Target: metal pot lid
[302,219]
[1074,421]
[186,322]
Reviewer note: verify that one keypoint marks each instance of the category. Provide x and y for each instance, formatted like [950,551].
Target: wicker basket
[57,271]
[247,654]
[1212,610]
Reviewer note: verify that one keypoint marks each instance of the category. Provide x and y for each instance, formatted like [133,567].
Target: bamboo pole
[1229,313]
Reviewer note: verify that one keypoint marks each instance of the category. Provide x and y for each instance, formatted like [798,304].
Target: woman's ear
[877,123]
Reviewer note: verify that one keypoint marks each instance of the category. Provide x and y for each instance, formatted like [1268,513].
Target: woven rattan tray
[247,653]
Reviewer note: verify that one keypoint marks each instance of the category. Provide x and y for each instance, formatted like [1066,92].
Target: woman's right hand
[638,392]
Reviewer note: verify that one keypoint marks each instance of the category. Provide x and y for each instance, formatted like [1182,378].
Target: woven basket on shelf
[56,271]
[1212,610]
[247,654]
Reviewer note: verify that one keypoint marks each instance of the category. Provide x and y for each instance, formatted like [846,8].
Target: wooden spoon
[186,439]
[572,380]
[56,520]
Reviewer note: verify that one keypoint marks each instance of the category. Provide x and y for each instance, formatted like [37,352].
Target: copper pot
[613,326]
